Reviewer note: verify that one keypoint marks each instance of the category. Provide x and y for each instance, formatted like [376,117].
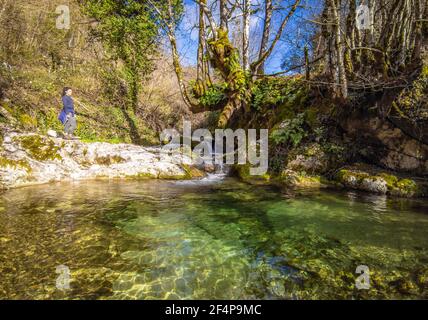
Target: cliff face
[27,159]
[386,145]
[395,134]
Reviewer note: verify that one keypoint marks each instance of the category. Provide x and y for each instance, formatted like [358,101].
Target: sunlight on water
[209,240]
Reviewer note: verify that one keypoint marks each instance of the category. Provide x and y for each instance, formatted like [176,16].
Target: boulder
[372,179]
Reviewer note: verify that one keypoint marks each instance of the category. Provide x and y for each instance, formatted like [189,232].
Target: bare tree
[246,34]
[266,34]
[255,65]
[339,47]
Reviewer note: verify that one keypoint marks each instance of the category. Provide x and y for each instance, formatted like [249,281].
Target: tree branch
[268,52]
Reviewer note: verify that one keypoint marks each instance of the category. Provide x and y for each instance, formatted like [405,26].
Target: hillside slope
[37,60]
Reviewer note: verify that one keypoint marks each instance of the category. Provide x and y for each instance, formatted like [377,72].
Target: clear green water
[225,240]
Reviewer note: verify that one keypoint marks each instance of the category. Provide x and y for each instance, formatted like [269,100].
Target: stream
[210,239]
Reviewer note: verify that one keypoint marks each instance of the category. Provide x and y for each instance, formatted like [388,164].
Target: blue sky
[292,41]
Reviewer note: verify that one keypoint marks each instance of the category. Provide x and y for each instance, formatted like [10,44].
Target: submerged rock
[27,159]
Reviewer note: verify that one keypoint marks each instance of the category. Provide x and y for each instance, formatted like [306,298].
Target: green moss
[39,148]
[407,187]
[8,108]
[348,62]
[243,172]
[311,117]
[424,72]
[166,176]
[108,160]
[395,185]
[225,59]
[295,179]
[422,278]
[403,187]
[142,176]
[305,180]
[192,172]
[27,121]
[345,175]
[412,102]
[300,179]
[96,138]
[391,181]
[14,164]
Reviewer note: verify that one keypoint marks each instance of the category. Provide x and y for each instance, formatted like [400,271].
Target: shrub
[290,131]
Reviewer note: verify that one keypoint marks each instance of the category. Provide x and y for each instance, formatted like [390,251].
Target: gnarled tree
[215,44]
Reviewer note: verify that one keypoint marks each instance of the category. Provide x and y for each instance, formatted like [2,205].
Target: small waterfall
[218,172]
[221,170]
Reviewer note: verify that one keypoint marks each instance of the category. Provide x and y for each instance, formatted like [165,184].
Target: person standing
[67,116]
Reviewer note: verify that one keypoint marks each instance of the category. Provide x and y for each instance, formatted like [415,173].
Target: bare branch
[268,52]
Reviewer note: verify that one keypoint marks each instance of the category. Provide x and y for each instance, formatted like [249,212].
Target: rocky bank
[312,166]
[28,159]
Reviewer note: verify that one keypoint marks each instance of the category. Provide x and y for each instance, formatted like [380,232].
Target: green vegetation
[285,93]
[192,172]
[142,176]
[105,63]
[109,160]
[290,131]
[39,148]
[126,91]
[399,186]
[412,102]
[129,32]
[6,162]
[215,95]
[243,172]
[394,184]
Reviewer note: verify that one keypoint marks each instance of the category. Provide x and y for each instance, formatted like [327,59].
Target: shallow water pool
[208,240]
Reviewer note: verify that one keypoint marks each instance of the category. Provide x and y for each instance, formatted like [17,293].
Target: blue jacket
[62,117]
[68,103]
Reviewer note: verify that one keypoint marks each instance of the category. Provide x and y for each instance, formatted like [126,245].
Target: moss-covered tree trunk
[201,76]
[224,58]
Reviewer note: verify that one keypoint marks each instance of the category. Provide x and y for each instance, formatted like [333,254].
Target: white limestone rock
[76,160]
